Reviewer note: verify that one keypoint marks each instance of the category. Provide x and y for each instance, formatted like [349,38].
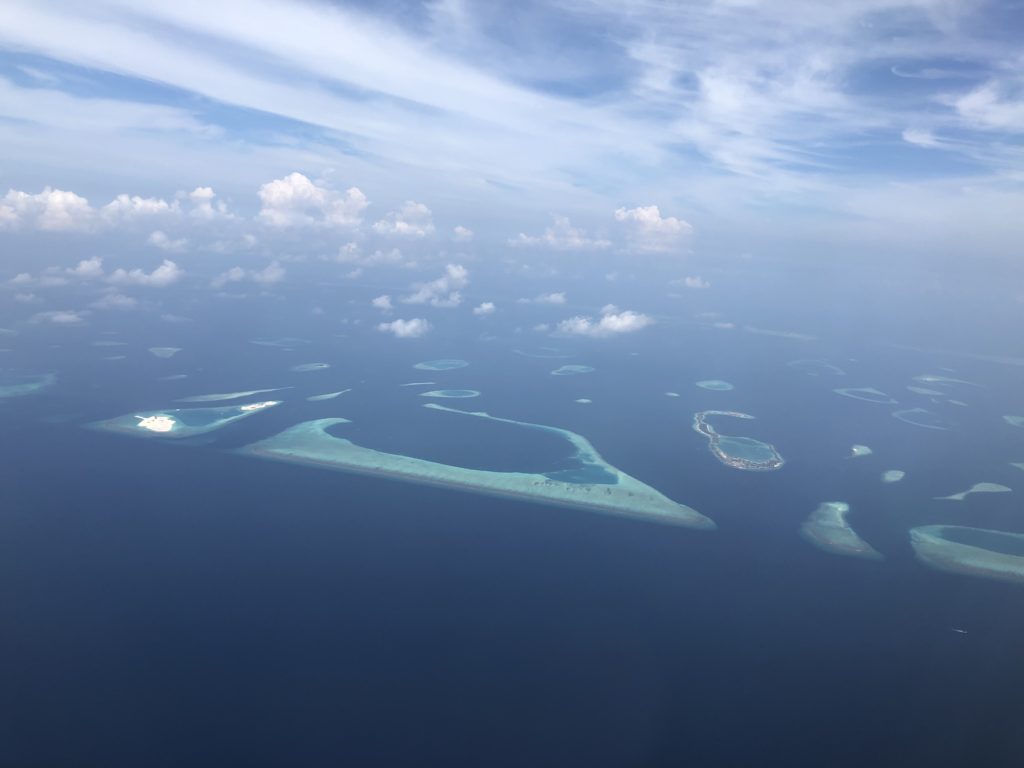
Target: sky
[140,138]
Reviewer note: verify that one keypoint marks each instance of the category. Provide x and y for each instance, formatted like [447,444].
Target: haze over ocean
[797,226]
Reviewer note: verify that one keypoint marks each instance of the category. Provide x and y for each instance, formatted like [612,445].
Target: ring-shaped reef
[571,370]
[444,364]
[828,529]
[14,384]
[716,385]
[452,393]
[920,417]
[181,422]
[593,484]
[972,551]
[868,394]
[737,452]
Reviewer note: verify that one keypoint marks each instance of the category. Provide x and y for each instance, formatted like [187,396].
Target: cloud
[127,208]
[442,292]
[647,231]
[406,329]
[560,236]
[610,323]
[462,234]
[920,138]
[382,303]
[26,298]
[204,207]
[166,274]
[351,253]
[694,281]
[115,300]
[163,242]
[411,220]
[295,201]
[87,269]
[545,298]
[52,209]
[486,308]
[60,317]
[272,273]
[997,105]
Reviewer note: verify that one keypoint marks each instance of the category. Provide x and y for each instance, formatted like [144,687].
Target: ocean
[168,603]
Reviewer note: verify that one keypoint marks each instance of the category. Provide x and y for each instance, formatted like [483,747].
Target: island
[828,529]
[976,488]
[893,475]
[919,417]
[715,384]
[444,364]
[571,370]
[453,393]
[1014,421]
[972,551]
[180,422]
[859,450]
[583,400]
[593,484]
[868,394]
[217,397]
[14,384]
[737,452]
[307,367]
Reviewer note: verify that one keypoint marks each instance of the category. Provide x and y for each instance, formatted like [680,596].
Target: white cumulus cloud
[411,220]
[87,269]
[130,207]
[545,298]
[382,302]
[462,234]
[610,323]
[560,236]
[52,209]
[160,240]
[272,273]
[649,231]
[166,274]
[442,292]
[295,201]
[115,300]
[695,281]
[405,329]
[60,317]
[487,308]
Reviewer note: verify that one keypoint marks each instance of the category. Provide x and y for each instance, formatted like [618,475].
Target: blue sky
[622,128]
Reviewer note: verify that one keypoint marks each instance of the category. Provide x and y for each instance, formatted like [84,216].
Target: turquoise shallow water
[986,540]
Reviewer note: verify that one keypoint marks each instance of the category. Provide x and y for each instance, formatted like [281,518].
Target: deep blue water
[169,604]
